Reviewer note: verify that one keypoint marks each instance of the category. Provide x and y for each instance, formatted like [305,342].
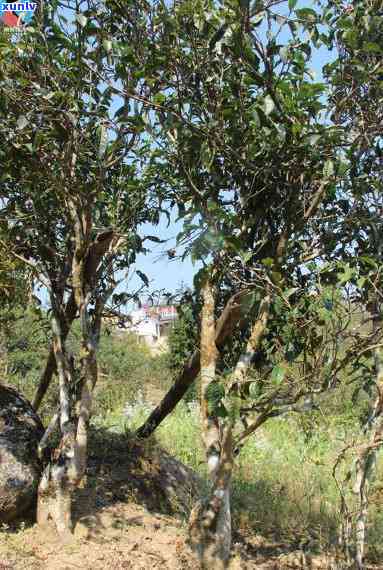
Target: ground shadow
[122,469]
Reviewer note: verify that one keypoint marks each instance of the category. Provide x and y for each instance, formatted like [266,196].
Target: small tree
[247,158]
[71,203]
[357,98]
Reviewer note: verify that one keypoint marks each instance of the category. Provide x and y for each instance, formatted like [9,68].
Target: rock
[122,469]
[20,469]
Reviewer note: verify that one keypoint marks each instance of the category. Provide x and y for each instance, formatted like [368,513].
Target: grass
[282,486]
[282,483]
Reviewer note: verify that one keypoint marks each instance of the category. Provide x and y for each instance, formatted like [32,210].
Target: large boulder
[20,469]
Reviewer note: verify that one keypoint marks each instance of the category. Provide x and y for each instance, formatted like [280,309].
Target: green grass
[282,485]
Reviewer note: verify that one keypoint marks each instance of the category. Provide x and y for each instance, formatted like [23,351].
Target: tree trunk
[366,462]
[55,500]
[230,317]
[50,367]
[96,252]
[56,485]
[210,521]
[364,471]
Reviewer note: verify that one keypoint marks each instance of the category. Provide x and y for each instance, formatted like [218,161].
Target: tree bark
[96,252]
[229,319]
[50,367]
[55,489]
[68,464]
[210,524]
[366,462]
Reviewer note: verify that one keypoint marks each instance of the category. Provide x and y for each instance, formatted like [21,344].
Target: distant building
[152,324]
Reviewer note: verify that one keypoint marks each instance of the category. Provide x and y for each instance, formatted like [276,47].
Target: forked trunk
[50,366]
[68,463]
[232,315]
[210,521]
[55,499]
[58,481]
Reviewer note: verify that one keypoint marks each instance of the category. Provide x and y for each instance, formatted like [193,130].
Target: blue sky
[162,272]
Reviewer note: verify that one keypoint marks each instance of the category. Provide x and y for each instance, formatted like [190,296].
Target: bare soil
[131,514]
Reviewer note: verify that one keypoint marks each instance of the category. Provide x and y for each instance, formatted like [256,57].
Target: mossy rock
[20,469]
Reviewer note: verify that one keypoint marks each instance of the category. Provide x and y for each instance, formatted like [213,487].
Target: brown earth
[132,514]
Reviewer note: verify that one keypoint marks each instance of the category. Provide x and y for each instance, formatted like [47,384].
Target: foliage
[25,340]
[212,108]
[182,338]
[126,368]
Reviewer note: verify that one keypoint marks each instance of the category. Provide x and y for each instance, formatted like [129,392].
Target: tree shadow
[122,470]
[272,524]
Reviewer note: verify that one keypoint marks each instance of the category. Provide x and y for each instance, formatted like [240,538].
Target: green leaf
[159,99]
[214,394]
[313,139]
[346,275]
[328,168]
[246,256]
[221,411]
[107,45]
[155,239]
[307,14]
[143,277]
[290,292]
[123,110]
[372,47]
[254,390]
[256,119]
[258,18]
[284,54]
[278,374]
[369,261]
[292,4]
[268,261]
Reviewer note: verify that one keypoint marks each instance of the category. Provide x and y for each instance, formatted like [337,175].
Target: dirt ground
[131,514]
[127,536]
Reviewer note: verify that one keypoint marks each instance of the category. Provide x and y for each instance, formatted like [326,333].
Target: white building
[152,324]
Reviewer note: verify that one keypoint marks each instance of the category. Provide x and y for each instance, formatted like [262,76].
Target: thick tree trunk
[45,380]
[210,523]
[88,382]
[230,317]
[55,500]
[56,485]
[366,462]
[50,367]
